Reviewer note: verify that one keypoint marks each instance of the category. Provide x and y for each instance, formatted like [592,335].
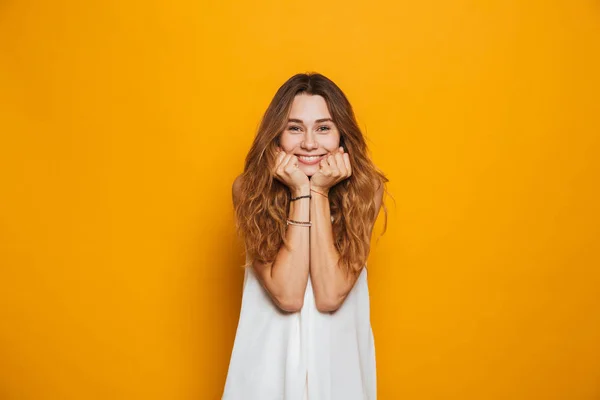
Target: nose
[309,142]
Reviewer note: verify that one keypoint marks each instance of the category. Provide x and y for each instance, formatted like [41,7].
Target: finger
[341,166]
[278,159]
[284,162]
[346,158]
[331,160]
[292,164]
[333,165]
[325,168]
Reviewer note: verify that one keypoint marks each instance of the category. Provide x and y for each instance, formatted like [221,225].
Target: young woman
[306,205]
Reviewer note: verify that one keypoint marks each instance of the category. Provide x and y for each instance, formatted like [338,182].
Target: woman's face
[310,133]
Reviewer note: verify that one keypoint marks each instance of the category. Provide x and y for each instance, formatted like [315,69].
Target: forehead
[309,107]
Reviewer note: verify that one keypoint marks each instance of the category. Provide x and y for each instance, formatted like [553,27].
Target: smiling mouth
[310,159]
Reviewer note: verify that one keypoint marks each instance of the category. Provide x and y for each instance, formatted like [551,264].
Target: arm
[331,284]
[285,278]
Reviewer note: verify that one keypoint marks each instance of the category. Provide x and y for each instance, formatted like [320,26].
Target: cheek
[289,142]
[331,142]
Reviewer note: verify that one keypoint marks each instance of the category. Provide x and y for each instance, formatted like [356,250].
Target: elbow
[328,304]
[290,304]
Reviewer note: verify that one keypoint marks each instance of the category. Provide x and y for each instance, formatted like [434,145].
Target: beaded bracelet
[299,223]
[307,196]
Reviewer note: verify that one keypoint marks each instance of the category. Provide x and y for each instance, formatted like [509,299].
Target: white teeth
[308,158]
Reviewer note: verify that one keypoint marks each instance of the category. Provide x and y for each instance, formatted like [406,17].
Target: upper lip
[310,155]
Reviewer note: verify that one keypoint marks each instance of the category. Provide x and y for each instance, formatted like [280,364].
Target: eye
[294,128]
[324,128]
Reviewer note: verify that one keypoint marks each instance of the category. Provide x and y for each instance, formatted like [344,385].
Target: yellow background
[124,123]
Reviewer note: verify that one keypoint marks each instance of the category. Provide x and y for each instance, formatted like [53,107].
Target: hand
[286,170]
[333,169]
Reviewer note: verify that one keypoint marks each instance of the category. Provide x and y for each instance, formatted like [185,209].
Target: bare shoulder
[236,189]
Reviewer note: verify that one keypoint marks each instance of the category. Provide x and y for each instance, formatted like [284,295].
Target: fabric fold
[278,356]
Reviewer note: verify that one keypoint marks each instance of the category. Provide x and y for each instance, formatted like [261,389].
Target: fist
[286,170]
[332,169]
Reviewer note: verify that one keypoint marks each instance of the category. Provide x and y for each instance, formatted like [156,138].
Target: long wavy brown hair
[263,204]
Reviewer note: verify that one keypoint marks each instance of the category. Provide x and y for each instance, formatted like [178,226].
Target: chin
[309,171]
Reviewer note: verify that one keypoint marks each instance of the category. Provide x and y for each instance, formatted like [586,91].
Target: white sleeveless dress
[302,355]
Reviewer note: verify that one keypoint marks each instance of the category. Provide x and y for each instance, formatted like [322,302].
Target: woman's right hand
[286,170]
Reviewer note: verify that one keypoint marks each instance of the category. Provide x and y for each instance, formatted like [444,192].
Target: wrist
[300,191]
[321,193]
[323,190]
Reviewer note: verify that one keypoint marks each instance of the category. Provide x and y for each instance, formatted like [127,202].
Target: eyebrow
[318,121]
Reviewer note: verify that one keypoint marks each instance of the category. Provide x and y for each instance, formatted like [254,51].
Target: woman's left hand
[333,169]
